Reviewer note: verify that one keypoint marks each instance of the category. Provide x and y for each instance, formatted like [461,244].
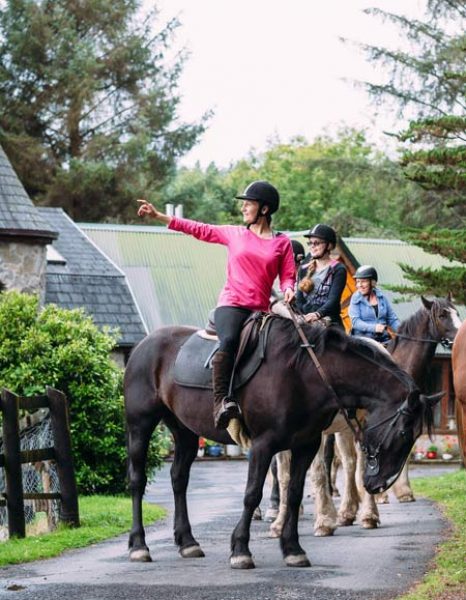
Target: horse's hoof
[140,555]
[257,514]
[345,521]
[370,523]
[275,532]
[297,560]
[407,498]
[192,552]
[382,499]
[243,561]
[323,531]
[271,514]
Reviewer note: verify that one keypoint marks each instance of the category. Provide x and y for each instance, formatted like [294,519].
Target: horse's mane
[322,337]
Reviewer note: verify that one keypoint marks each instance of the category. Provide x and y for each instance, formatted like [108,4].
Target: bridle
[371,456]
[444,341]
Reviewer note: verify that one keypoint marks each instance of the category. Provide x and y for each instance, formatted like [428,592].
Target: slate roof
[89,279]
[18,215]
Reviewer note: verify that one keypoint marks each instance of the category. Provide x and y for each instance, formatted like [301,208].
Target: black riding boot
[225,407]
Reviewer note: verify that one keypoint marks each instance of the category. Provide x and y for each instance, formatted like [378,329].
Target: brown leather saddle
[193,364]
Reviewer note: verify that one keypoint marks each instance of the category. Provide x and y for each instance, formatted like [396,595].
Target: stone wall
[23,266]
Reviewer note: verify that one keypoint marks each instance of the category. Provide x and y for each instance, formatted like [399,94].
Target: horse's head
[390,435]
[444,319]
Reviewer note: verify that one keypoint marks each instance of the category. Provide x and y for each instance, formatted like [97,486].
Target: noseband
[372,456]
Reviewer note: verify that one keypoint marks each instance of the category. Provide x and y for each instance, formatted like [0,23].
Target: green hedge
[64,349]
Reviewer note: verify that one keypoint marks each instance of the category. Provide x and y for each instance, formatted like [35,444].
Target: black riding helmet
[298,251]
[324,232]
[366,272]
[264,193]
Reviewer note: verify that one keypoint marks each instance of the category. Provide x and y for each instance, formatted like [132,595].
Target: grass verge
[447,578]
[101,517]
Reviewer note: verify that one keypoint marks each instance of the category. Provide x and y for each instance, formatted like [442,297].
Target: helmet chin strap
[259,214]
[323,253]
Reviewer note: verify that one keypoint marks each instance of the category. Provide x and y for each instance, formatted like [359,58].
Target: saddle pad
[193,364]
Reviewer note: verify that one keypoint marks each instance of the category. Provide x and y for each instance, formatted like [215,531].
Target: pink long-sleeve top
[253,262]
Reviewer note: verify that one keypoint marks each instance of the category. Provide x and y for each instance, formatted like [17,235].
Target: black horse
[286,405]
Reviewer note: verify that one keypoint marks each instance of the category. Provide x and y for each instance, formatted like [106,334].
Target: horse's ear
[433,399]
[427,303]
[450,297]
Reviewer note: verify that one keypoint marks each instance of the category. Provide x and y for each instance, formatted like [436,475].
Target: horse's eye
[403,433]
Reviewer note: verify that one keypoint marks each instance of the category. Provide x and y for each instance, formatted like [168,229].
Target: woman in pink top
[256,256]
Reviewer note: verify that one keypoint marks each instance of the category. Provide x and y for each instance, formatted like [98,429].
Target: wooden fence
[12,458]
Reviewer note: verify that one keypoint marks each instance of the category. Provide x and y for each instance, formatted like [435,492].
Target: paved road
[354,564]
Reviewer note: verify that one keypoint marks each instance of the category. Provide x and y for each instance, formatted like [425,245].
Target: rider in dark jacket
[321,279]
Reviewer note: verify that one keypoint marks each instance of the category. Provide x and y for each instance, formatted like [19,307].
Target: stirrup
[230,410]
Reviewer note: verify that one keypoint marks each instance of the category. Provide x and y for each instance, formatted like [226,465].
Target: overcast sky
[271,68]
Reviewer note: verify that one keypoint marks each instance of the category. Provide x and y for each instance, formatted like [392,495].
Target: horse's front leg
[402,488]
[139,434]
[259,461]
[283,477]
[186,446]
[350,499]
[325,513]
[369,513]
[301,458]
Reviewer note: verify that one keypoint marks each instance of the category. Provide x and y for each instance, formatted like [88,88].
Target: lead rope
[356,431]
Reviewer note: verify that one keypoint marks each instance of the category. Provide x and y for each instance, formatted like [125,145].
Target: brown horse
[286,405]
[458,358]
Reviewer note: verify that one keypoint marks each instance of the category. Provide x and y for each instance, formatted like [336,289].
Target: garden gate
[13,457]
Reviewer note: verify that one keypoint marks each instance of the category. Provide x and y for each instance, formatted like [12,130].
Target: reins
[371,456]
[445,342]
[357,431]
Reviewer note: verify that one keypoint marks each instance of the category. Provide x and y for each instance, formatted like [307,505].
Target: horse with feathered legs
[285,405]
[413,348]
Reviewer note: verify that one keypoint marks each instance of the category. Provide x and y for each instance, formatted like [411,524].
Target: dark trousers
[228,323]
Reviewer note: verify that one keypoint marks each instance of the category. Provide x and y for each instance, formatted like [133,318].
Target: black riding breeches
[228,323]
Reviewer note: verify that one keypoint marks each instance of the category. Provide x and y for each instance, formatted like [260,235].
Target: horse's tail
[238,433]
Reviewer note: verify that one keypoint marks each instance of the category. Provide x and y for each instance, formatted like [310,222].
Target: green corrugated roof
[176,279]
[386,256]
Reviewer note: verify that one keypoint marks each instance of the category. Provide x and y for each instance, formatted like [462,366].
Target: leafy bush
[64,349]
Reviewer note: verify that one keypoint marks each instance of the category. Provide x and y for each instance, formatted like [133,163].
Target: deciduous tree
[88,102]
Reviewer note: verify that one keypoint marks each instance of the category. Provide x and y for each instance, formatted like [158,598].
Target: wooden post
[69,510]
[13,473]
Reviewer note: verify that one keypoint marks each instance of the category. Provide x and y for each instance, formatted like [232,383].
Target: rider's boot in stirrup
[225,407]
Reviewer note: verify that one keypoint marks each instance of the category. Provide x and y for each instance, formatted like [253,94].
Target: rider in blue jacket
[370,310]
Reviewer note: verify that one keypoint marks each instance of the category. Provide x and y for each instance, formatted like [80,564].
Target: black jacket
[327,298]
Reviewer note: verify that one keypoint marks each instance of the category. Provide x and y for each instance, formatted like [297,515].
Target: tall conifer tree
[430,78]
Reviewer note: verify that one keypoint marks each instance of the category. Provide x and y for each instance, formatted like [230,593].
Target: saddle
[193,364]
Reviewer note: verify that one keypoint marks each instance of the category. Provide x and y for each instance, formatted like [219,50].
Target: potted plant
[202,447]
[213,448]
[432,452]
